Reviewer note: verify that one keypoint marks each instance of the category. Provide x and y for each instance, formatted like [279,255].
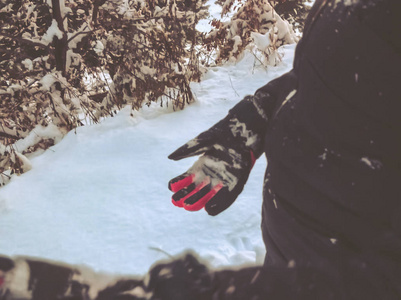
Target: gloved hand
[229,150]
[219,176]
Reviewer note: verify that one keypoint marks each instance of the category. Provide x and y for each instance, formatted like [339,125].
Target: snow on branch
[254,25]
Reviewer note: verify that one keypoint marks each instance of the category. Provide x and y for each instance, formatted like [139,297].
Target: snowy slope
[100,197]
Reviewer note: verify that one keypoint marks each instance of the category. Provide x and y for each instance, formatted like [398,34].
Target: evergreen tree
[254,25]
[60,60]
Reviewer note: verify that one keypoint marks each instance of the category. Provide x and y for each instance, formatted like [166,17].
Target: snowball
[372,163]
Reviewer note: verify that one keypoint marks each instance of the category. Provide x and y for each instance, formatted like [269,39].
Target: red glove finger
[198,200]
[181,182]
[205,184]
[178,196]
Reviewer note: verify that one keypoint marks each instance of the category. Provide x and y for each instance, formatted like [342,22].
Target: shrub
[65,61]
[253,24]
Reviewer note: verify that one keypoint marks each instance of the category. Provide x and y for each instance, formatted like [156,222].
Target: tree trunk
[60,51]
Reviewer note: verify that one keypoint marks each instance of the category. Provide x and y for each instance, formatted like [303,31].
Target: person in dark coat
[331,132]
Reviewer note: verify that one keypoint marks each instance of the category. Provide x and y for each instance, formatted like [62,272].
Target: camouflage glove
[229,151]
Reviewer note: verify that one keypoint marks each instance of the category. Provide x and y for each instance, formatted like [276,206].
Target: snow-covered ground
[100,197]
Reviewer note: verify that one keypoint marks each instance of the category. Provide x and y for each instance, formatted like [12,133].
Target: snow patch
[261,41]
[47,81]
[52,31]
[99,47]
[40,132]
[286,100]
[17,280]
[28,64]
[291,264]
[239,129]
[372,163]
[346,2]
[26,164]
[207,166]
[237,42]
[75,37]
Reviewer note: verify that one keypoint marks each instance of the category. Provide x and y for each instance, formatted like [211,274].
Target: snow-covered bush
[65,61]
[254,24]
[152,49]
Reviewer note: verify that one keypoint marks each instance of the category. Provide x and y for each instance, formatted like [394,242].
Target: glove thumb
[196,146]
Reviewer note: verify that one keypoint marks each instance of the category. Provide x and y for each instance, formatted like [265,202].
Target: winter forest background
[68,65]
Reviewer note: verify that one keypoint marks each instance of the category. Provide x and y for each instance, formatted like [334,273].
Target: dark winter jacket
[332,193]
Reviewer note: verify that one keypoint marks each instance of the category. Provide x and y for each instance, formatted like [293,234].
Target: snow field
[99,197]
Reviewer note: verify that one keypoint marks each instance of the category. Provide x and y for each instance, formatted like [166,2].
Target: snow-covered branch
[63,62]
[254,25]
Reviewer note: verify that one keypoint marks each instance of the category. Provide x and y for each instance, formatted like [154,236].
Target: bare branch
[24,40]
[8,136]
[78,33]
